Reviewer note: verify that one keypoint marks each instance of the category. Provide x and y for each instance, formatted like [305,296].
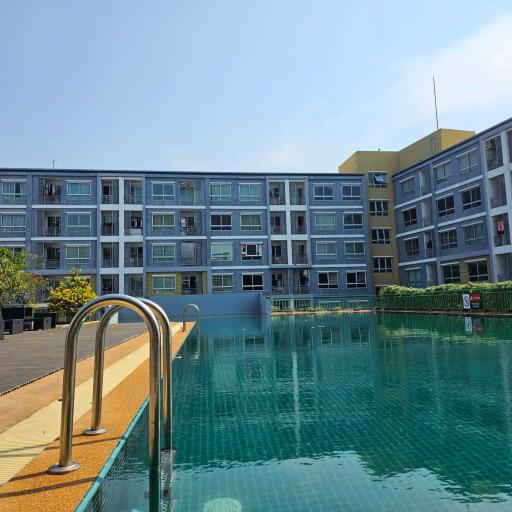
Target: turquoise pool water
[357,412]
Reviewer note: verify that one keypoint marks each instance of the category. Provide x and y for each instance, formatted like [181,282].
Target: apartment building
[163,234]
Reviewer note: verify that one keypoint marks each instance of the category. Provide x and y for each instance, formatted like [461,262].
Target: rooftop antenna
[435,101]
[53,163]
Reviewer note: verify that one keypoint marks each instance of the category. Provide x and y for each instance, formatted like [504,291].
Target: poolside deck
[30,420]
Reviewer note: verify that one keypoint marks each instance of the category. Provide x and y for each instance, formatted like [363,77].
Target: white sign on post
[465,301]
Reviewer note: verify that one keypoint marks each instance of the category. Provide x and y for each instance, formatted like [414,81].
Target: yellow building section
[390,162]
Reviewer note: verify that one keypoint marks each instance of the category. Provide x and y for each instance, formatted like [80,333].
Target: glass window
[162,191]
[222,283]
[451,273]
[414,278]
[163,253]
[354,249]
[78,254]
[493,153]
[250,191]
[220,222]
[379,208]
[164,284]
[326,250]
[250,221]
[378,179]
[352,221]
[468,161]
[381,236]
[412,247]
[222,251]
[79,222]
[351,192]
[252,282]
[448,239]
[323,192]
[12,221]
[409,216]
[382,264]
[325,220]
[477,271]
[474,234]
[445,206]
[220,191]
[79,189]
[327,279]
[407,186]
[252,251]
[442,172]
[356,279]
[163,221]
[14,189]
[471,198]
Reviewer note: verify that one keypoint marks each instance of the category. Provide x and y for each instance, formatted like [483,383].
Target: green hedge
[446,297]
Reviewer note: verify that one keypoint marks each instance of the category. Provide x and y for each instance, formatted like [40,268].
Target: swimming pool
[361,412]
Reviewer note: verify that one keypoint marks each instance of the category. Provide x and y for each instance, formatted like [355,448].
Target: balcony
[427,221]
[278,230]
[134,261]
[50,231]
[190,194]
[191,230]
[429,252]
[425,189]
[302,289]
[109,229]
[191,260]
[300,259]
[276,193]
[500,240]
[497,201]
[110,262]
[51,263]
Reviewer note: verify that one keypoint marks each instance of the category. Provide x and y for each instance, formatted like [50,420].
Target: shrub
[71,295]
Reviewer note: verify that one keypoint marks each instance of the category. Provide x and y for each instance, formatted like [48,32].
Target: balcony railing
[276,200]
[278,230]
[297,199]
[500,200]
[110,262]
[280,290]
[425,189]
[50,231]
[280,260]
[429,252]
[133,231]
[500,240]
[191,260]
[134,261]
[299,230]
[302,289]
[109,199]
[427,221]
[191,230]
[51,263]
[109,229]
[133,198]
[300,259]
[190,291]
[50,199]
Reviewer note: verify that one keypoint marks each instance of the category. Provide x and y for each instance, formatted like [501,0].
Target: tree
[17,285]
[71,294]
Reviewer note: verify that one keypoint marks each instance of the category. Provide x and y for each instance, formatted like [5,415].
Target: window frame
[410,222]
[405,189]
[376,212]
[251,227]
[163,226]
[214,227]
[326,255]
[416,250]
[14,195]
[480,276]
[352,227]
[223,288]
[451,244]
[221,196]
[325,227]
[229,253]
[163,290]
[452,278]
[371,179]
[382,269]
[252,286]
[473,203]
[418,283]
[160,259]
[351,196]
[446,174]
[78,260]
[357,283]
[247,257]
[446,210]
[466,156]
[249,197]
[353,254]
[70,195]
[163,196]
[376,240]
[328,284]
[71,227]
[498,150]
[13,228]
[323,186]
[477,240]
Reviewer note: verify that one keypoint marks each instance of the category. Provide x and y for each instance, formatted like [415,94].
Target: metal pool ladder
[156,321]
[190,306]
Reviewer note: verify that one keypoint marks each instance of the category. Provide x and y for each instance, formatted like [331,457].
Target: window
[409,216]
[163,221]
[323,192]
[79,189]
[12,222]
[412,247]
[382,264]
[325,220]
[467,161]
[445,206]
[14,189]
[79,222]
[474,234]
[442,172]
[163,253]
[327,279]
[250,221]
[477,270]
[493,154]
[407,186]
[252,251]
[352,221]
[354,249]
[326,250]
[381,236]
[471,198]
[250,191]
[220,222]
[162,191]
[378,179]
[414,278]
[351,192]
[78,254]
[222,283]
[509,140]
[164,284]
[356,279]
[379,208]
[448,239]
[220,191]
[252,282]
[451,273]
[222,251]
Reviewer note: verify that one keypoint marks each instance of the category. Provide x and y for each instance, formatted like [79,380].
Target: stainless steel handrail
[193,306]
[66,464]
[165,328]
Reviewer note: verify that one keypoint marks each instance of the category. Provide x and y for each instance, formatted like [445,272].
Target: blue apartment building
[169,234]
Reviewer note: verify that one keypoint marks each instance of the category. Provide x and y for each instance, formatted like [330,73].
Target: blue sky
[242,85]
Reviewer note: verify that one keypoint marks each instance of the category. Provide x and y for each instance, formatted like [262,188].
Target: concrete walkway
[31,354]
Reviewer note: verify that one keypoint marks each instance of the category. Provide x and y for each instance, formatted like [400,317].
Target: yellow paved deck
[24,451]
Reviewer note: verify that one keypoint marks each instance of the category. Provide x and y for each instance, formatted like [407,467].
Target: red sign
[475,300]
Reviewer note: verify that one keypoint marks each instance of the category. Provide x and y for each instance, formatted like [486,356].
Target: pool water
[360,412]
